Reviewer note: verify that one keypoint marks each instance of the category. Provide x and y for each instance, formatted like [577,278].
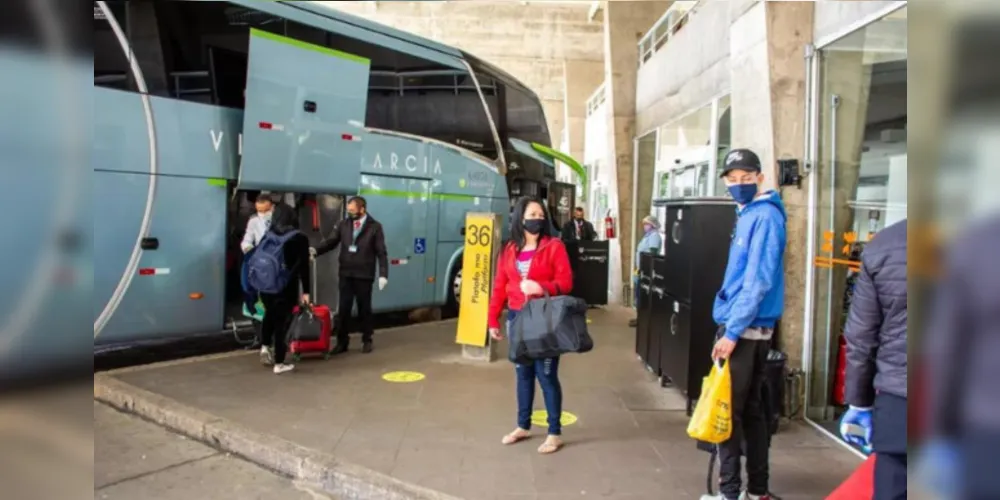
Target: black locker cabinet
[589,260]
[698,233]
[644,308]
[658,316]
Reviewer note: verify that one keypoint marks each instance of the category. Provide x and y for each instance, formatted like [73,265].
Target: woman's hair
[283,219]
[517,221]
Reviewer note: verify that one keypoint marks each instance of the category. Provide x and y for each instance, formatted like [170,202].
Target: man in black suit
[364,245]
[579,229]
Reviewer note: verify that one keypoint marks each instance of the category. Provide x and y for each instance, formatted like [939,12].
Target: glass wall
[860,181]
[689,150]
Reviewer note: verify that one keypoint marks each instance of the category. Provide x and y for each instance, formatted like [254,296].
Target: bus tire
[454,289]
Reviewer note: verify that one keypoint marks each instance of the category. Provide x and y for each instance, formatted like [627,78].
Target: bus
[200,105]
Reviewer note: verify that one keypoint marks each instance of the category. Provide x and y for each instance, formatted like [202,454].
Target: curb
[346,481]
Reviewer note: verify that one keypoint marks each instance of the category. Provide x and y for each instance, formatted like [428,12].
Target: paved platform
[136,459]
[340,422]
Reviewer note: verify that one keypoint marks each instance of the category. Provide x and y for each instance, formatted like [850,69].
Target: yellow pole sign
[478,259]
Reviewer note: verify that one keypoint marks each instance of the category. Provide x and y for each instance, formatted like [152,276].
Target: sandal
[516,436]
[552,444]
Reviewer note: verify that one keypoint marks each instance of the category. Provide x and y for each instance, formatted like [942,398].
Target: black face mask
[534,226]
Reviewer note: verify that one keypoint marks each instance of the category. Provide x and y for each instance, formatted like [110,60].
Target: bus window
[525,117]
[111,67]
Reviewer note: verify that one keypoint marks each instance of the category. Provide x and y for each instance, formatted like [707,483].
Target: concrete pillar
[581,80]
[625,22]
[768,101]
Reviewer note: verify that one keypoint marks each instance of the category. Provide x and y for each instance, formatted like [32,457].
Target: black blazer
[370,248]
[587,232]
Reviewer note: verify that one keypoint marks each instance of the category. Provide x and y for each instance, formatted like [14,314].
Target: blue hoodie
[753,290]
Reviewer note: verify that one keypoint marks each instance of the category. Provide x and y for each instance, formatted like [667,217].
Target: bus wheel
[451,307]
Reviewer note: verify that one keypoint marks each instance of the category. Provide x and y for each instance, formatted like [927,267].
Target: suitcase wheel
[326,356]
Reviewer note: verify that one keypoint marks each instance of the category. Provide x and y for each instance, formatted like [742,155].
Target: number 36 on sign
[477,278]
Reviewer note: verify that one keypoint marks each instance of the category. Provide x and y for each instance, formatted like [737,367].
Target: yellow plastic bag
[712,420]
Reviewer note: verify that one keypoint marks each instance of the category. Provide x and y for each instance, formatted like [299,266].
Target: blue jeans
[547,373]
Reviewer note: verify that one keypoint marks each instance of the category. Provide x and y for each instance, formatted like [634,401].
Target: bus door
[304,117]
[403,205]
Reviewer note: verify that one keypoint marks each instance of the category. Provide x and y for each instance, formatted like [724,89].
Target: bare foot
[516,436]
[552,444]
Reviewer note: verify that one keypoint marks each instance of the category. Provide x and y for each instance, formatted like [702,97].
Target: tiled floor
[444,432]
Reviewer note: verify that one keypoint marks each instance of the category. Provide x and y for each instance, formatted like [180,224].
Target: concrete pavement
[135,459]
[340,425]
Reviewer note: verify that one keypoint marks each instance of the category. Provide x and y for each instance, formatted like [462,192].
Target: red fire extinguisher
[840,376]
[609,226]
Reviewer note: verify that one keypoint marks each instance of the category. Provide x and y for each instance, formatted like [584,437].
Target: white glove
[312,252]
[382,282]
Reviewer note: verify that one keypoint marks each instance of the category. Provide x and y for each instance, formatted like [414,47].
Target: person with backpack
[530,265]
[275,270]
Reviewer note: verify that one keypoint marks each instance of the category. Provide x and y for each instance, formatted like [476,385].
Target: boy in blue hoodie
[746,309]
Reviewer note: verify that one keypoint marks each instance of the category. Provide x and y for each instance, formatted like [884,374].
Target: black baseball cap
[740,159]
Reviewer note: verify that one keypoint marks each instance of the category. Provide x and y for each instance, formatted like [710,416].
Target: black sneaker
[366,348]
[340,349]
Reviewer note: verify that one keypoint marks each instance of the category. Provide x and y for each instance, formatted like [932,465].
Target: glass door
[859,186]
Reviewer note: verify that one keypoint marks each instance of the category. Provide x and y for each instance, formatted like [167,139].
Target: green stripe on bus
[218,182]
[308,46]
[390,193]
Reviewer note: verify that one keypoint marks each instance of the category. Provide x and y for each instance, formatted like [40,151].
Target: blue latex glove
[938,467]
[859,418]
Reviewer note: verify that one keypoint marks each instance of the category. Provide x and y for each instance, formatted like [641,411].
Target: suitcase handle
[312,281]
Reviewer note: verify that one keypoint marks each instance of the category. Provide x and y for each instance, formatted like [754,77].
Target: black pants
[277,318]
[352,289]
[746,366]
[889,444]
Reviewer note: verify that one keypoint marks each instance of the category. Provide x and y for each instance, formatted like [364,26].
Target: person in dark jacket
[578,229]
[363,247]
[962,346]
[278,307]
[875,382]
[747,309]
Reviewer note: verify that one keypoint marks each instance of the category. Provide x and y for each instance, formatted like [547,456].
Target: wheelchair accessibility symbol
[419,246]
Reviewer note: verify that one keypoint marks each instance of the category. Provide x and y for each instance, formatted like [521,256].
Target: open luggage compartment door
[304,117]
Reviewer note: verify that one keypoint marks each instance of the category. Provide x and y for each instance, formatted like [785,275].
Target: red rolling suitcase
[322,346]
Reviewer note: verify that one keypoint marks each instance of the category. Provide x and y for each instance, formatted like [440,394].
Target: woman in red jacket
[532,263]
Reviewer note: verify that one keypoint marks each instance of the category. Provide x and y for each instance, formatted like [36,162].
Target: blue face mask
[743,193]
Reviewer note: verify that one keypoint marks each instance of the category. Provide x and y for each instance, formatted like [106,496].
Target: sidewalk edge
[303,464]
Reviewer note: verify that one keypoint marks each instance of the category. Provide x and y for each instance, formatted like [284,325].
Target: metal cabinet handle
[673,324]
[675,232]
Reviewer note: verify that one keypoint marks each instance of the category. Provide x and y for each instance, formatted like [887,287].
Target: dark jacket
[962,345]
[587,232]
[370,249]
[876,324]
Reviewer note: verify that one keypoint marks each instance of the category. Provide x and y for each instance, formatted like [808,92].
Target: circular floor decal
[403,377]
[540,418]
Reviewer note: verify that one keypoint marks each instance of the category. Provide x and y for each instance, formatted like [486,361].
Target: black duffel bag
[304,327]
[548,327]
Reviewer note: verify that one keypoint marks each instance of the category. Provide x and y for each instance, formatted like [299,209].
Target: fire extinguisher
[840,376]
[609,226]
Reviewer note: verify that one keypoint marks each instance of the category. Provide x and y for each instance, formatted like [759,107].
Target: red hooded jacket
[549,268]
